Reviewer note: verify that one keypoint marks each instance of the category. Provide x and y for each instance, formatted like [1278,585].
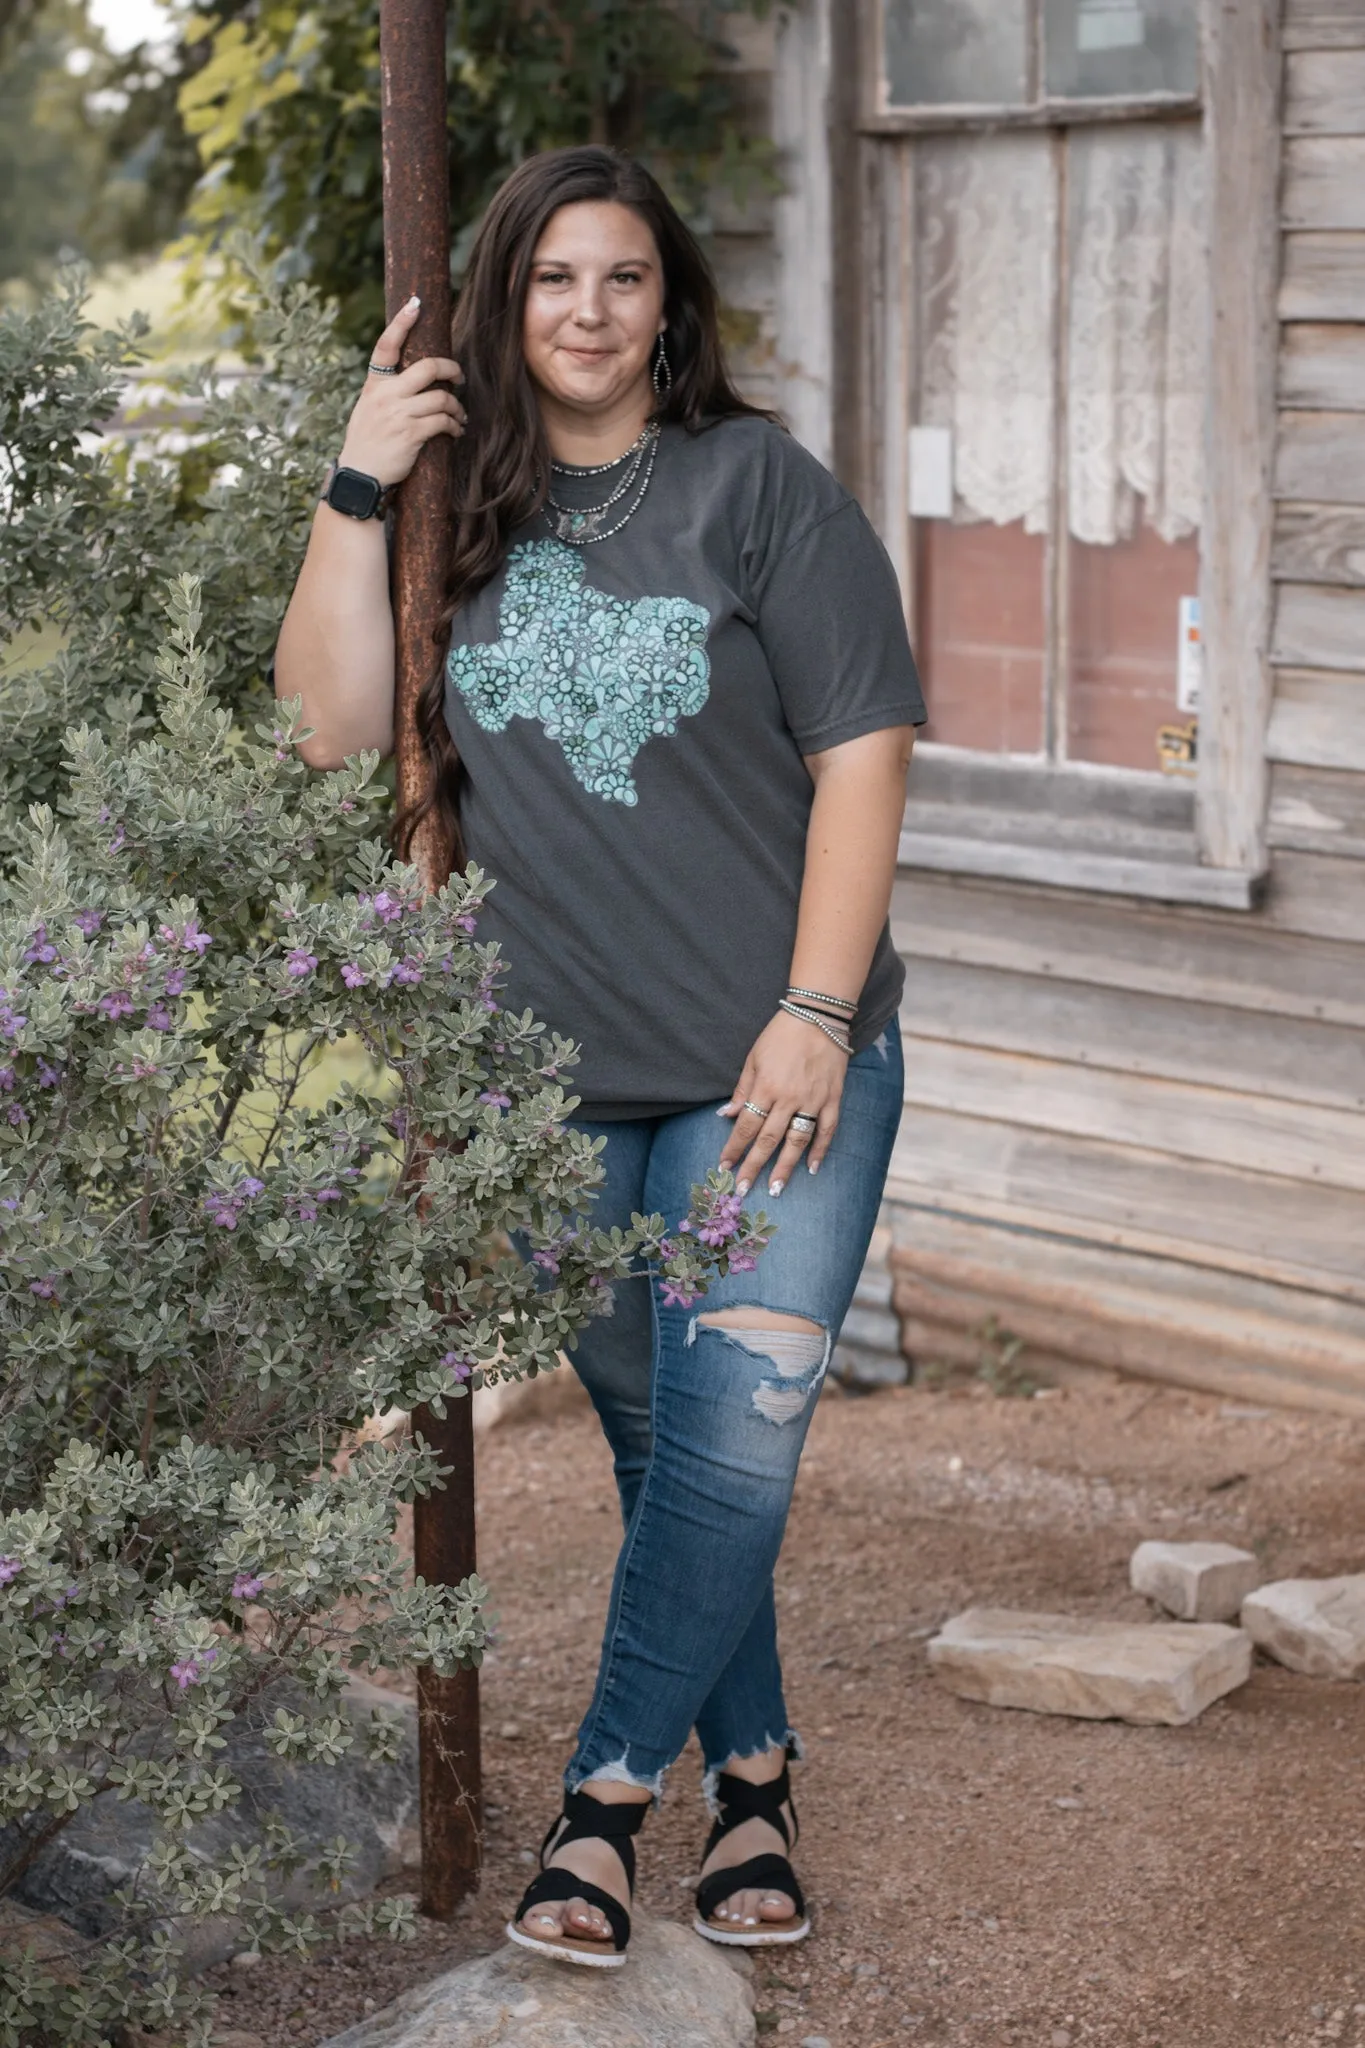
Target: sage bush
[265,1125]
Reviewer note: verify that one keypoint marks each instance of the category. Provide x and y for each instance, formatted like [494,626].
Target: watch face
[354,494]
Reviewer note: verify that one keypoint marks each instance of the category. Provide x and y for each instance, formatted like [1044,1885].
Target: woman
[676,717]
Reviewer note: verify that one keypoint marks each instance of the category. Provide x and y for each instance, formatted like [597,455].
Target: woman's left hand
[793,1070]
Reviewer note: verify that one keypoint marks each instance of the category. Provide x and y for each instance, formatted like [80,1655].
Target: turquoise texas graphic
[602,674]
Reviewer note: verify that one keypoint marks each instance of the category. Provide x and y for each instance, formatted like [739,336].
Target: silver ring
[805,1126]
[383,369]
[754,1110]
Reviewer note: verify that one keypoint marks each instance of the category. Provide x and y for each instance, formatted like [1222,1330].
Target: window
[1053,349]
[1026,55]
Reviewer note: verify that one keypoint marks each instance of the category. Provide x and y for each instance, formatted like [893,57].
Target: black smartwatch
[357,495]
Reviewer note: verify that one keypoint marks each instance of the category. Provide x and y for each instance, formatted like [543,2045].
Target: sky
[126,22]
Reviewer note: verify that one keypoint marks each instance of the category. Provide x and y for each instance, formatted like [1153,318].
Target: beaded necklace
[581,525]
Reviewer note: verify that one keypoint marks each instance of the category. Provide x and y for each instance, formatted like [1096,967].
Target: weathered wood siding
[1318,557]
[1134,1133]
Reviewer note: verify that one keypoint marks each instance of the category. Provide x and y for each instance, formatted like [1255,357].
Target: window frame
[879,116]
[1239,109]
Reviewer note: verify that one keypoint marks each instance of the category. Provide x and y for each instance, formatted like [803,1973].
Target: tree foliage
[264,1129]
[286,114]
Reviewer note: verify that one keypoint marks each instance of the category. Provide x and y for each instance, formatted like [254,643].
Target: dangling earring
[661,376]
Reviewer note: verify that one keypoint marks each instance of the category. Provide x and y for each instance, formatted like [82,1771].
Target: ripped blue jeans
[706,1426]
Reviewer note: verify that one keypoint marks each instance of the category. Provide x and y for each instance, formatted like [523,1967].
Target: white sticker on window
[1189,670]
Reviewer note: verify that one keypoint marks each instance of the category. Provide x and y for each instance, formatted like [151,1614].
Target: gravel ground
[978,1876]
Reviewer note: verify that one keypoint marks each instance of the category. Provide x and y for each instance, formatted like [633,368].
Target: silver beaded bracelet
[831,1031]
[835,1002]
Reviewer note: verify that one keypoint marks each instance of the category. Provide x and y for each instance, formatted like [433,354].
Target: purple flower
[676,1293]
[175,982]
[353,975]
[117,1004]
[11,1023]
[88,921]
[46,1288]
[10,1568]
[6,1078]
[195,941]
[304,1210]
[496,1098]
[40,949]
[192,1669]
[300,962]
[398,1123]
[119,840]
[387,906]
[145,1070]
[742,1262]
[460,1368]
[246,1586]
[48,1075]
[408,970]
[467,923]
[225,1209]
[158,1018]
[329,1195]
[546,1260]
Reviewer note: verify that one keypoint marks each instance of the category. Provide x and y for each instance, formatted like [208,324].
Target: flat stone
[1195,1581]
[1312,1625]
[1165,1672]
[675,1991]
[373,1804]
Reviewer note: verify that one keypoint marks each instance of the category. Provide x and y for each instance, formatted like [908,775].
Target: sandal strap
[585,1819]
[609,1822]
[554,1886]
[771,1873]
[740,1801]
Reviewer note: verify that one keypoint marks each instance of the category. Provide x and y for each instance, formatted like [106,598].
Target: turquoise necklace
[581,525]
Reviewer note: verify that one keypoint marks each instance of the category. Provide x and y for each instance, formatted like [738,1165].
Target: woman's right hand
[394,416]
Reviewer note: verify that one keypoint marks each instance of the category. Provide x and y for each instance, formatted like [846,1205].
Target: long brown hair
[500,467]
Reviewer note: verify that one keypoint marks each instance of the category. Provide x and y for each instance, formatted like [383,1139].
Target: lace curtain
[987,289]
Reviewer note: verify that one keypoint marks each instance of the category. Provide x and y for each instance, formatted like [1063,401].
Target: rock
[372,1804]
[1195,1581]
[1312,1625]
[675,1991]
[1098,1670]
[51,1941]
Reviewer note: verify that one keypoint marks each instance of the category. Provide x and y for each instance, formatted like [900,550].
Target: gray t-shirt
[632,716]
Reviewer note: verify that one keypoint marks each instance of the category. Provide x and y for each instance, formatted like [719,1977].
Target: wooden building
[1072,293]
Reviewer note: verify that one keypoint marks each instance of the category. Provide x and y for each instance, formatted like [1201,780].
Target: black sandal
[741,1801]
[584,1818]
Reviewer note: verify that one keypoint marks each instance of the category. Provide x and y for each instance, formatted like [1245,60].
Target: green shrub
[220,1248]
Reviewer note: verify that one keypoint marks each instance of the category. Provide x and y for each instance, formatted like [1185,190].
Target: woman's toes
[776,1906]
[587,1920]
[543,1922]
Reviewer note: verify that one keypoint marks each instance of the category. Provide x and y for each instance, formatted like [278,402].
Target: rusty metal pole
[412,56]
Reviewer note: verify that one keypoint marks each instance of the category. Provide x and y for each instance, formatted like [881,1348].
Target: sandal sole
[561,1952]
[774,1936]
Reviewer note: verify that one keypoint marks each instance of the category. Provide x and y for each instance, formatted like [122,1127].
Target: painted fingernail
[724,1109]
[742,1187]
[775,1188]
[815,1166]
[413,301]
